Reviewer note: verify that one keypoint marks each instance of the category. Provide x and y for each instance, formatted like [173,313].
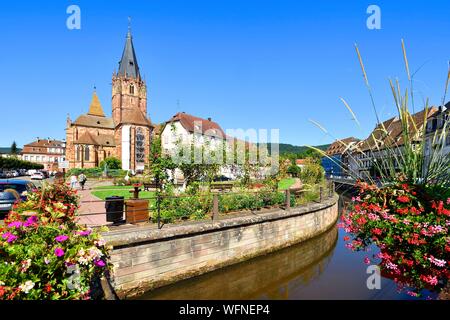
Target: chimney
[209,119]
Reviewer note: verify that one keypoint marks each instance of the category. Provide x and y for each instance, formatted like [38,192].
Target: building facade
[385,145]
[49,153]
[338,154]
[126,135]
[437,138]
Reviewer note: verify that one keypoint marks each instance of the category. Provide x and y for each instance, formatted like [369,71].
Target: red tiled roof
[340,146]
[189,122]
[390,132]
[301,162]
[135,116]
[100,140]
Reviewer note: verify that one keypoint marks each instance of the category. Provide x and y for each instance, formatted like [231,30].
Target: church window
[131,89]
[140,146]
[86,153]
[78,153]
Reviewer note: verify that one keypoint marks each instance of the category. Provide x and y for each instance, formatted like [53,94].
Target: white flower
[27,286]
[2,283]
[100,242]
[94,253]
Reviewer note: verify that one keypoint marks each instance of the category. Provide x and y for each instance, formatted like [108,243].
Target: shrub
[312,173]
[15,163]
[112,163]
[294,170]
[41,245]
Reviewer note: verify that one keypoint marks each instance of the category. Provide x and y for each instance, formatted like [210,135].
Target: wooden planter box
[136,211]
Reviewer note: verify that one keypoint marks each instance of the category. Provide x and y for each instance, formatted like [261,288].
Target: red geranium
[404,199]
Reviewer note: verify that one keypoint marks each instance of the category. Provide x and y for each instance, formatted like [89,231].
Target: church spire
[95,108]
[128,65]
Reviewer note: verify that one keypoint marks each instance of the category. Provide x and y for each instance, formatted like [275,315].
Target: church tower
[129,110]
[129,91]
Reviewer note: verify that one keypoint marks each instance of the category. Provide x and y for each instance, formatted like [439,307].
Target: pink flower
[30,221]
[61,238]
[100,263]
[9,237]
[366,260]
[391,265]
[412,294]
[437,262]
[15,224]
[84,233]
[59,252]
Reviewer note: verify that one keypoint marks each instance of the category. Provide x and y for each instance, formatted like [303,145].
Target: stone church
[93,137]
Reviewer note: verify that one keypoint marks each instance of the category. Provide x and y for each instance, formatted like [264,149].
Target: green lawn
[286,183]
[120,191]
[114,187]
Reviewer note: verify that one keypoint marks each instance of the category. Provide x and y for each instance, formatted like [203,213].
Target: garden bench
[149,185]
[222,186]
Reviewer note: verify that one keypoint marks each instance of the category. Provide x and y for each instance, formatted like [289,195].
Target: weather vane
[129,24]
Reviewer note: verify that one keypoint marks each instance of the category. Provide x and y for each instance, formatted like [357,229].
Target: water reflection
[271,276]
[321,268]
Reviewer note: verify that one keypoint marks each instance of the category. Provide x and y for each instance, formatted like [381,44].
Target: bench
[222,186]
[149,185]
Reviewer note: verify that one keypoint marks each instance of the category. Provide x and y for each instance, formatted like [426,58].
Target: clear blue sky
[247,64]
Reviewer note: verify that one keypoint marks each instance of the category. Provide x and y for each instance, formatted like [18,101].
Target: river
[321,268]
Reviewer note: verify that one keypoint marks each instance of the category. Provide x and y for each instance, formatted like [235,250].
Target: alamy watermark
[73,22]
[374,20]
[374,280]
[232,147]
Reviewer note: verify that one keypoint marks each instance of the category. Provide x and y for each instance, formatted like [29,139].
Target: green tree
[294,170]
[159,164]
[14,148]
[112,163]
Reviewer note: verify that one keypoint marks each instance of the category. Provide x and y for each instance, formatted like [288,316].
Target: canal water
[321,268]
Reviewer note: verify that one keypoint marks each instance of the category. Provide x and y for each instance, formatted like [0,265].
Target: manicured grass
[120,192]
[286,183]
[114,187]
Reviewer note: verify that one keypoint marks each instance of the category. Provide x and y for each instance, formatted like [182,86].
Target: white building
[185,129]
[437,138]
[385,140]
[47,152]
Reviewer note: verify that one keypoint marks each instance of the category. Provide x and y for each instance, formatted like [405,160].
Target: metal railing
[213,205]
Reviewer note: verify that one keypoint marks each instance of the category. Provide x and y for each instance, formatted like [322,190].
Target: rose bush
[45,254]
[409,224]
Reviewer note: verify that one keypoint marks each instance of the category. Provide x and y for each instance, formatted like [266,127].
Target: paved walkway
[297,184]
[90,204]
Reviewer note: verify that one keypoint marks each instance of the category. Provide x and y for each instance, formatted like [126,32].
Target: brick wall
[145,258]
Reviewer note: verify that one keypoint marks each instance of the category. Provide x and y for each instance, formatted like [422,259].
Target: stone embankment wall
[145,258]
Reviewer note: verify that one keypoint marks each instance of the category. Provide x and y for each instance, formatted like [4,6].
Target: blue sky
[247,64]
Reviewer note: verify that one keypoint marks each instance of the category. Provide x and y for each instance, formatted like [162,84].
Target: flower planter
[136,211]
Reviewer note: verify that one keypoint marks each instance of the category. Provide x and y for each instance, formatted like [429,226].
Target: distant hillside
[7,150]
[289,148]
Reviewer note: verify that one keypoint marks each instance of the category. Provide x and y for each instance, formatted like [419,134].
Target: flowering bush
[45,254]
[56,203]
[409,224]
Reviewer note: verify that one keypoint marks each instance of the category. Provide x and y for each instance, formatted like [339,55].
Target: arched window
[131,88]
[86,153]
[78,151]
[140,146]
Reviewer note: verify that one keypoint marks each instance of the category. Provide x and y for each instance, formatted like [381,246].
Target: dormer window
[131,89]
